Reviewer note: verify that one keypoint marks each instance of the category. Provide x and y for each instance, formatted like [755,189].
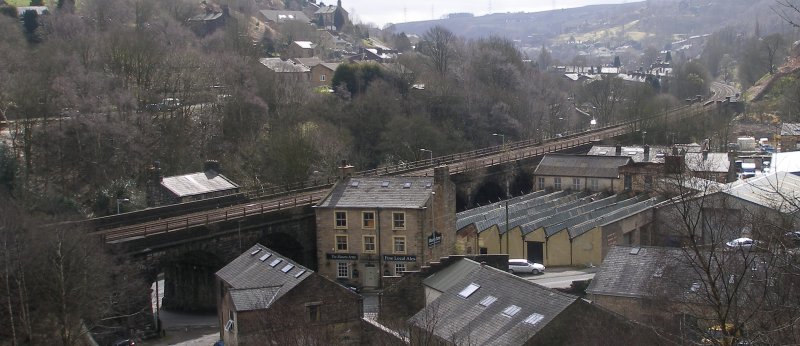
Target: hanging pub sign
[434,239]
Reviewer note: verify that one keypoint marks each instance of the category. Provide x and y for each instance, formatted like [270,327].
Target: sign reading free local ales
[393,258]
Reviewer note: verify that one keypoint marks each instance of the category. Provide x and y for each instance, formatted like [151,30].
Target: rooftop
[790,129]
[283,66]
[259,277]
[198,183]
[384,192]
[488,306]
[581,166]
[282,16]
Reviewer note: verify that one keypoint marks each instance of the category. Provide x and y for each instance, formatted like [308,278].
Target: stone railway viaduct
[189,242]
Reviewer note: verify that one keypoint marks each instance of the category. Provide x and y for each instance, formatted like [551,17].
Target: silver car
[524,266]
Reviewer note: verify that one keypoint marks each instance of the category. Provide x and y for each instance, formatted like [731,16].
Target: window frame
[576,184]
[399,265]
[336,219]
[336,244]
[557,183]
[322,77]
[395,220]
[404,245]
[342,267]
[595,184]
[364,220]
[314,312]
[364,243]
[541,183]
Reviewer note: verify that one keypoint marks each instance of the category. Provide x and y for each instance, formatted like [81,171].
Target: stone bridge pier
[189,259]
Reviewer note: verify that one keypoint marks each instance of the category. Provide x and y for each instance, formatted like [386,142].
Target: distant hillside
[662,18]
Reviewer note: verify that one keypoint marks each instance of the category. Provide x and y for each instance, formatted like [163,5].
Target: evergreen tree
[617,62]
[338,16]
[668,58]
[30,21]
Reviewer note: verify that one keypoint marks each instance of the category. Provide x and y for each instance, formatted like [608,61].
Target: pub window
[340,219]
[368,219]
[557,183]
[369,243]
[342,270]
[399,220]
[541,183]
[399,245]
[399,268]
[341,243]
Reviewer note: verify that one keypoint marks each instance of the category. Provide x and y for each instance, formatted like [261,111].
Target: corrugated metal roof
[580,166]
[198,183]
[370,193]
[255,284]
[466,319]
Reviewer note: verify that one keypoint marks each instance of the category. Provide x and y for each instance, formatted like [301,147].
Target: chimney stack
[646,153]
[618,150]
[212,165]
[345,170]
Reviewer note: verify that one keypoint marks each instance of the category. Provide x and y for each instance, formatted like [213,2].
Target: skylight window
[287,268]
[428,185]
[488,301]
[635,251]
[275,262]
[255,252]
[534,318]
[511,310]
[297,275]
[385,184]
[406,185]
[465,293]
[354,184]
[602,152]
[264,257]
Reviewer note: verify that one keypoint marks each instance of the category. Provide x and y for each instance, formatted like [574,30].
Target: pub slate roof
[254,284]
[462,319]
[198,183]
[371,193]
[580,166]
[790,129]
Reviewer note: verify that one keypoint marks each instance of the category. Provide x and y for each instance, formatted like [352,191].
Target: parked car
[742,243]
[524,266]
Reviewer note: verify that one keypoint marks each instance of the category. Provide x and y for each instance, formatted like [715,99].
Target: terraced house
[370,228]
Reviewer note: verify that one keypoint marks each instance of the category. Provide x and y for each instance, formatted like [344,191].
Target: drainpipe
[380,254]
[507,246]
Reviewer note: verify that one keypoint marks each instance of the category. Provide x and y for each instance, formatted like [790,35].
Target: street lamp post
[643,134]
[120,201]
[503,136]
[429,152]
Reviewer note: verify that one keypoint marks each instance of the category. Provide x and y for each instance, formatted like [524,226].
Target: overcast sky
[381,12]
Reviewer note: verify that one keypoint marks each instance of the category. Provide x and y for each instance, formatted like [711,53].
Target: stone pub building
[376,227]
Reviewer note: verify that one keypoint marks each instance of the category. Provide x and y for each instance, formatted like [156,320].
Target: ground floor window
[399,268]
[342,270]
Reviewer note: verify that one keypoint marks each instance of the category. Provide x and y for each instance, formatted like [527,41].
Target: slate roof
[627,271]
[40,10]
[713,162]
[790,129]
[282,16]
[279,65]
[462,319]
[371,193]
[305,44]
[326,9]
[309,62]
[205,17]
[255,284]
[580,166]
[198,183]
[657,153]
